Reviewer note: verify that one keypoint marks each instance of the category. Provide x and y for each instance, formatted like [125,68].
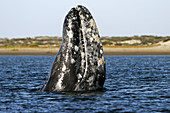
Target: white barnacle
[60,81]
[70,34]
[76,48]
[79,76]
[70,44]
[69,23]
[94,25]
[90,80]
[82,54]
[66,57]
[82,17]
[74,18]
[72,61]
[96,38]
[83,61]
[101,51]
[101,61]
[91,39]
[64,68]
[88,30]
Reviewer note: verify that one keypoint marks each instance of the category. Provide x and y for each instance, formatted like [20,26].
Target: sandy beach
[138,51]
[158,50]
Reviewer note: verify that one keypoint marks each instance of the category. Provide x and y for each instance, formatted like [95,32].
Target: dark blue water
[133,84]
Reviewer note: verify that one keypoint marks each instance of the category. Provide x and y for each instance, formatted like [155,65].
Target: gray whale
[80,62]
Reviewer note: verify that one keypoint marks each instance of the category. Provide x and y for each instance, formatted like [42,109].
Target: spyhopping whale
[80,62]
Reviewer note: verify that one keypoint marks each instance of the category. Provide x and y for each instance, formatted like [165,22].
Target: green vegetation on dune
[144,40]
[41,41]
[47,41]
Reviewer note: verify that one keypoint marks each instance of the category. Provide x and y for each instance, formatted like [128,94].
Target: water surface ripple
[133,84]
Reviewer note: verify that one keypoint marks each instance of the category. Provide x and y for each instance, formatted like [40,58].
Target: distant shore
[107,51]
[46,45]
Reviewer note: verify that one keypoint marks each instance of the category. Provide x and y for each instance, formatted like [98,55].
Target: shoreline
[107,51]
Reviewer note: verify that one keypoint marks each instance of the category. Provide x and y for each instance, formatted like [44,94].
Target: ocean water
[133,84]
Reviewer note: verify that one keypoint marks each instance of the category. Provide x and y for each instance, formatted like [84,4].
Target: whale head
[80,62]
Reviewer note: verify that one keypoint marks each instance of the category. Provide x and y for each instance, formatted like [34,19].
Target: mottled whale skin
[80,62]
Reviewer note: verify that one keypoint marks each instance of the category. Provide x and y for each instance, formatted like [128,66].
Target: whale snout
[80,62]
